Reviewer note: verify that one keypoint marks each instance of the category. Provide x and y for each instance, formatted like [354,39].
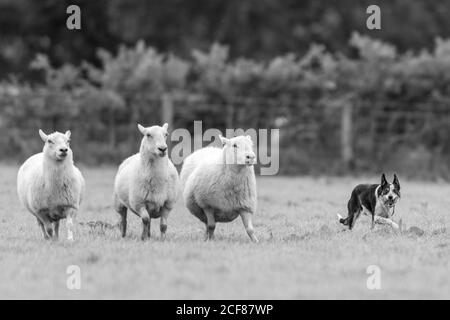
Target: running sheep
[219,184]
[50,186]
[147,182]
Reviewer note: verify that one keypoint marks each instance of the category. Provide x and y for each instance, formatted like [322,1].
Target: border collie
[377,200]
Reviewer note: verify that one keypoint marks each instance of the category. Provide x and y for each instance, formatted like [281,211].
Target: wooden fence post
[167,112]
[112,130]
[347,135]
[134,120]
[229,120]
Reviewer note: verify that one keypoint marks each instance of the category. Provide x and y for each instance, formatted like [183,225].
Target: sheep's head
[57,145]
[154,140]
[239,150]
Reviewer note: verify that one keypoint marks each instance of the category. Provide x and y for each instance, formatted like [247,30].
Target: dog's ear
[396,182]
[383,180]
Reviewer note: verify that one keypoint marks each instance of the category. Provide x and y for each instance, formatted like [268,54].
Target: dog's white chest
[382,211]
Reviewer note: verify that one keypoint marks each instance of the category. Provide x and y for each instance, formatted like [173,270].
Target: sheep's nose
[162,149]
[63,150]
[250,157]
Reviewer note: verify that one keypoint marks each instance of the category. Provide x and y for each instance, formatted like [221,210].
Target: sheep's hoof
[49,234]
[145,237]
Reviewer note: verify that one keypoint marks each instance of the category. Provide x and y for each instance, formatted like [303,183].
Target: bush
[400,103]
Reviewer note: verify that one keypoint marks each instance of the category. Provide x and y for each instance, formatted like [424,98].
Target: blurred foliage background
[346,99]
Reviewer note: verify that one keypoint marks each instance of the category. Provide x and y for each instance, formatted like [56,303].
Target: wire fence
[315,137]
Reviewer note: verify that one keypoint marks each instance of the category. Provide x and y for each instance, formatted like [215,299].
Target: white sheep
[219,184]
[50,186]
[147,182]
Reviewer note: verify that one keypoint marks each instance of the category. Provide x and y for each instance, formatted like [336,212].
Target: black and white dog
[377,200]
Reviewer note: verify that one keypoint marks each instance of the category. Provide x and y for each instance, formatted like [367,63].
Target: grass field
[302,253]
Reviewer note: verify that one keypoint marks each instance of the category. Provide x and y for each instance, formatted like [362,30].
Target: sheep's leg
[247,220]
[210,224]
[48,229]
[70,224]
[163,222]
[42,228]
[56,227]
[122,211]
[145,223]
[123,220]
[47,224]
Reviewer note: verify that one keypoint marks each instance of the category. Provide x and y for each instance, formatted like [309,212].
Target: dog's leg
[354,216]
[354,210]
[390,222]
[352,206]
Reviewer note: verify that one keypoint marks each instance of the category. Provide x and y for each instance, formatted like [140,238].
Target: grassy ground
[302,252]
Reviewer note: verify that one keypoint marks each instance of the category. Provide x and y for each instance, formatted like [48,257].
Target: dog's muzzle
[391,202]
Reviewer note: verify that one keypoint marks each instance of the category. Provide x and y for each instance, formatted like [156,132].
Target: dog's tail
[342,220]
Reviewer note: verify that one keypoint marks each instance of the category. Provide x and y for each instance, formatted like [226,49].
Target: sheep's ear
[165,126]
[223,140]
[44,137]
[68,134]
[141,129]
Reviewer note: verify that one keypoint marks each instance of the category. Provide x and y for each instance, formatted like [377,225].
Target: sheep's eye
[149,135]
[50,141]
[235,145]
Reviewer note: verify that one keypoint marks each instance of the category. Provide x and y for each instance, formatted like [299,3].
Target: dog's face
[389,192]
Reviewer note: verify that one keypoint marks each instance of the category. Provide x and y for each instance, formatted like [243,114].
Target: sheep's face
[239,150]
[57,145]
[154,140]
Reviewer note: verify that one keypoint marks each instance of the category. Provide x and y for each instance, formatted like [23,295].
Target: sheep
[147,182]
[219,184]
[50,186]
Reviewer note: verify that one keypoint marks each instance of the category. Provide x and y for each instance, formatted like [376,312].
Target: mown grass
[302,253]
